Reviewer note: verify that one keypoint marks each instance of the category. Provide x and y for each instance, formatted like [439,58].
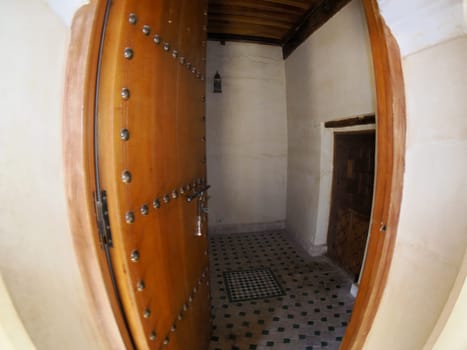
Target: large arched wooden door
[151,171]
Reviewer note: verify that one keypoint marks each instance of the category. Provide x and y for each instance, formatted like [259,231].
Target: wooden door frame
[78,158]
[79,172]
[390,165]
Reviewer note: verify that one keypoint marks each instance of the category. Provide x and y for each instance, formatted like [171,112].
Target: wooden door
[352,196]
[150,151]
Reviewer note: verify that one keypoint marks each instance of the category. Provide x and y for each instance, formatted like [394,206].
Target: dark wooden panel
[294,20]
[248,20]
[297,4]
[248,9]
[294,3]
[312,20]
[360,120]
[254,19]
[352,196]
[243,38]
[236,29]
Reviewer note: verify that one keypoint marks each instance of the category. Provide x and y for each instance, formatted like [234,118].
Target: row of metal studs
[146,30]
[135,254]
[125,134]
[156,203]
[126,175]
[185,307]
[140,286]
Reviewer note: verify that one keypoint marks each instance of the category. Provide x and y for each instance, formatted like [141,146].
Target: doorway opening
[244,134]
[388,184]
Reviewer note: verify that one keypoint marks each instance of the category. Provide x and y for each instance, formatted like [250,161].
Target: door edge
[79,173]
[390,166]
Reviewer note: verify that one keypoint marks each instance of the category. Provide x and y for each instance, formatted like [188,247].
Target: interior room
[303,191]
[270,163]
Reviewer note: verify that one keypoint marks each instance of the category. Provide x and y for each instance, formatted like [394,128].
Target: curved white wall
[418,24]
[37,261]
[13,336]
[432,233]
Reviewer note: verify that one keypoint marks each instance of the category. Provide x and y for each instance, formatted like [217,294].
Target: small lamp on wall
[217,83]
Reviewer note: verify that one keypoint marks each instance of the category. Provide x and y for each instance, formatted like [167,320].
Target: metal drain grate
[252,284]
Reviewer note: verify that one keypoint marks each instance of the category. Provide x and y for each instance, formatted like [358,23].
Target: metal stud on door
[150,159]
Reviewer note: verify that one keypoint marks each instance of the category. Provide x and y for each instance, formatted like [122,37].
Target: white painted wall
[418,24]
[328,77]
[36,253]
[246,135]
[65,9]
[13,336]
[448,332]
[432,234]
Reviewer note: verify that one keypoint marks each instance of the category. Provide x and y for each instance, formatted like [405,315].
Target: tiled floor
[312,314]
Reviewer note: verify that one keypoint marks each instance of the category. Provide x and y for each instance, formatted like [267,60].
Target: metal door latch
[198,193]
[201,210]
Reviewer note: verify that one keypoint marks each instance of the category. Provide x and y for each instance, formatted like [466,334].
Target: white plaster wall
[418,24]
[432,233]
[36,254]
[246,134]
[453,336]
[448,332]
[13,336]
[328,77]
[65,9]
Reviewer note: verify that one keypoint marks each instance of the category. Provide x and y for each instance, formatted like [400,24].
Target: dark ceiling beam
[254,9]
[243,38]
[258,5]
[247,20]
[359,120]
[300,4]
[265,15]
[311,21]
[238,28]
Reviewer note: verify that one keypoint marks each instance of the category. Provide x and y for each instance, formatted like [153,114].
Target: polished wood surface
[164,115]
[165,151]
[389,176]
[78,157]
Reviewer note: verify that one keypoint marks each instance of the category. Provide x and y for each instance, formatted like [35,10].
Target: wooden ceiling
[278,22]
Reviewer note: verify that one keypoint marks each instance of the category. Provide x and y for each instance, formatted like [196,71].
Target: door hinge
[103,223]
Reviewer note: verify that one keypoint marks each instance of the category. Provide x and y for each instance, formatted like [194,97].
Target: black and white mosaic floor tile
[253,284]
[311,314]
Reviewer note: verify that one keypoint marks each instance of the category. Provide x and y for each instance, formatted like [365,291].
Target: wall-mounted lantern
[217,83]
